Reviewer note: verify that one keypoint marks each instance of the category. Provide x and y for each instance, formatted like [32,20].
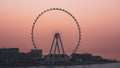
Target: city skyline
[99,22]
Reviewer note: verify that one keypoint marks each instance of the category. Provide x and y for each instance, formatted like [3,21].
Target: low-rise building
[35,54]
[9,53]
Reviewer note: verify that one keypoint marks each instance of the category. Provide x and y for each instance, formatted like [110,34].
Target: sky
[99,21]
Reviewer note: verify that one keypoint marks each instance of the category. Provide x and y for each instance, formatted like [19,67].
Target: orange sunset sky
[99,21]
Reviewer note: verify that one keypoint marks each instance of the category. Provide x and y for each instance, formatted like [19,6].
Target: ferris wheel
[57,35]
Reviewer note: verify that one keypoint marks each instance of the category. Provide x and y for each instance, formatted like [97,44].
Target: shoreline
[46,65]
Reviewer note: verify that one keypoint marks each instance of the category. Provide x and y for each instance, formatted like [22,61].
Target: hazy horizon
[99,21]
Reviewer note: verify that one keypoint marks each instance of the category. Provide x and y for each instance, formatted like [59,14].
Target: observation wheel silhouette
[57,34]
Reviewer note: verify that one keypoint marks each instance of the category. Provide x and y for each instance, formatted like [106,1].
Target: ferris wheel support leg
[57,44]
[65,56]
[49,58]
[52,46]
[53,61]
[59,52]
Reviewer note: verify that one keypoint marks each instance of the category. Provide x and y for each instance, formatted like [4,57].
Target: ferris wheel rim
[59,9]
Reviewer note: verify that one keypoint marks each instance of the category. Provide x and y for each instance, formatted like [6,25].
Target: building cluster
[12,56]
[56,59]
[87,58]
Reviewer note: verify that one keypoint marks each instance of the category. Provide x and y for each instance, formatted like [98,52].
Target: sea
[110,65]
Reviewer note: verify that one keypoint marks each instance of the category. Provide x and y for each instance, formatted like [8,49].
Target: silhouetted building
[82,57]
[12,57]
[58,58]
[9,53]
[23,56]
[97,58]
[35,54]
[13,54]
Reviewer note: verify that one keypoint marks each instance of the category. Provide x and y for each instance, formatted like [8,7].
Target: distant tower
[60,57]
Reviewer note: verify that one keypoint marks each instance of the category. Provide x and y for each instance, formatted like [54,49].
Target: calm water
[113,65]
